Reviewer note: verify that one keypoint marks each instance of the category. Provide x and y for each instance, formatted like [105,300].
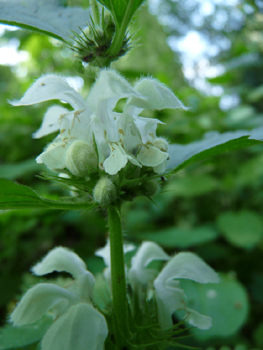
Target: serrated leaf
[121,9]
[16,337]
[15,196]
[48,17]
[213,144]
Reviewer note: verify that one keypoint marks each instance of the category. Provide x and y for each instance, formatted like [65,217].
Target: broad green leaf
[16,337]
[181,237]
[243,229]
[48,17]
[213,144]
[15,196]
[121,10]
[191,186]
[226,303]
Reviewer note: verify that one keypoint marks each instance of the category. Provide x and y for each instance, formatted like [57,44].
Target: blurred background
[210,53]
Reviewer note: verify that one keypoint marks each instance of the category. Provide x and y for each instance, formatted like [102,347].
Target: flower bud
[149,188]
[81,158]
[161,144]
[104,192]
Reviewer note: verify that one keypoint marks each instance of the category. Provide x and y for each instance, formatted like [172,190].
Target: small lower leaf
[15,196]
[15,337]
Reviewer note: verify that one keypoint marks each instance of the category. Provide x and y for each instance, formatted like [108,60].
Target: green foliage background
[213,209]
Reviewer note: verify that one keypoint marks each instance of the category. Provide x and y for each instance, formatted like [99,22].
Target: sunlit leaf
[213,144]
[48,17]
[122,9]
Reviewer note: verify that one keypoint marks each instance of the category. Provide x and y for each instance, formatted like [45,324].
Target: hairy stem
[118,281]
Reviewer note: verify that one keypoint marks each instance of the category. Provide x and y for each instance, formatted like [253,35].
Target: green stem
[118,282]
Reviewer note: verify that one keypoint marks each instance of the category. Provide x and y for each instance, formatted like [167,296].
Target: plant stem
[118,282]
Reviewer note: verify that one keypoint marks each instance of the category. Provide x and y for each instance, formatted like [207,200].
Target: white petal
[161,168]
[133,160]
[100,137]
[104,252]
[105,93]
[151,156]
[168,301]
[117,159]
[188,266]
[109,86]
[198,320]
[50,122]
[81,328]
[140,277]
[39,300]
[129,133]
[169,296]
[60,259]
[83,287]
[108,119]
[51,87]
[157,95]
[147,253]
[55,155]
[147,127]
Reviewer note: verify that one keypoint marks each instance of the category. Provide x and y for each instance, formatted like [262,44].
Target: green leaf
[243,229]
[213,144]
[191,186]
[15,196]
[226,303]
[258,335]
[16,337]
[14,171]
[181,237]
[121,10]
[48,17]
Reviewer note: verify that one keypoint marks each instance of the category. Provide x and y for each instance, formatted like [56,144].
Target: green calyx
[93,44]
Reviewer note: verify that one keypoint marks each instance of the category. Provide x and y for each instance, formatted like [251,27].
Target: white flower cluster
[147,282]
[93,135]
[76,322]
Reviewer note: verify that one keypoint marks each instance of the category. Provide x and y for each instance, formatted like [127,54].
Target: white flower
[170,297]
[140,275]
[147,282]
[104,253]
[120,137]
[76,322]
